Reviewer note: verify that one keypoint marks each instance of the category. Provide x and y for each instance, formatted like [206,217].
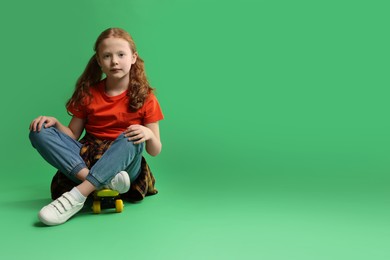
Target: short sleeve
[78,111]
[152,110]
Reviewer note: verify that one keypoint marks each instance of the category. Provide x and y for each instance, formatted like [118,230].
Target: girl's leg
[122,155]
[60,150]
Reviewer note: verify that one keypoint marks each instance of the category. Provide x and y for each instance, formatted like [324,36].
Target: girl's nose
[114,60]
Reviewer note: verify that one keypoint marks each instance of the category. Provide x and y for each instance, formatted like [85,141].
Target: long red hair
[139,87]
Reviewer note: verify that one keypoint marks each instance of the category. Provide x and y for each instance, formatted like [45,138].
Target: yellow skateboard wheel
[119,206]
[96,208]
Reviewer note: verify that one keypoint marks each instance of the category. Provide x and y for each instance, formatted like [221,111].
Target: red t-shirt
[107,117]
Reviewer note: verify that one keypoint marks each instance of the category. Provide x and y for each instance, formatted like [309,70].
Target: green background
[275,138]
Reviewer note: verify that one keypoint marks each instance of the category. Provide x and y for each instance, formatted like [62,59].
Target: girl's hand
[37,123]
[138,133]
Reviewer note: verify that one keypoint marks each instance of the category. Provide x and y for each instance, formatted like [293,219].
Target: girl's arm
[76,126]
[74,130]
[153,145]
[150,133]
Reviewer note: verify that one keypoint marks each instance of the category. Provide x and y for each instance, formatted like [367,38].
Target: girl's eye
[121,54]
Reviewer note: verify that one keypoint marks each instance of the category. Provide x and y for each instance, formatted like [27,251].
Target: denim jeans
[63,153]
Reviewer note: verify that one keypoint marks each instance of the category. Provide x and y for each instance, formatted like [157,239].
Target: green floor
[274,217]
[275,137]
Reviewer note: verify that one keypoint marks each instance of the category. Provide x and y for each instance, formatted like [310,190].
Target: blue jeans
[63,153]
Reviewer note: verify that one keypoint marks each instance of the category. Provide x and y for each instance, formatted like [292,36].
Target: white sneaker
[60,210]
[120,183]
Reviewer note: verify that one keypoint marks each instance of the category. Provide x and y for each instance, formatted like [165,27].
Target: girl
[119,111]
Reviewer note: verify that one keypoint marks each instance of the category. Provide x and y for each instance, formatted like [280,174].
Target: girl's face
[115,57]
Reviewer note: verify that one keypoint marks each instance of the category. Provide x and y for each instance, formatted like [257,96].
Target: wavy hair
[139,87]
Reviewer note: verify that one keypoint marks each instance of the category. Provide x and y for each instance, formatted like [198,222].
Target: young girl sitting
[119,114]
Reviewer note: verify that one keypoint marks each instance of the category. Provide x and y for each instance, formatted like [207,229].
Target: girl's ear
[135,56]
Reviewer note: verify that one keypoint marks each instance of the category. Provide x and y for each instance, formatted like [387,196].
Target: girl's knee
[123,140]
[38,137]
